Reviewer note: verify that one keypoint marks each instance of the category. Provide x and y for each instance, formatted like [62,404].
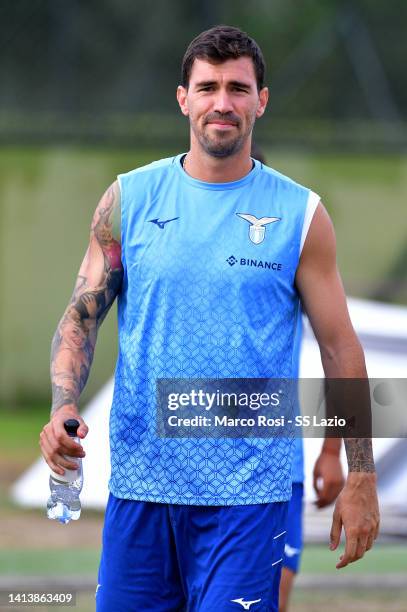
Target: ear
[263,99]
[182,94]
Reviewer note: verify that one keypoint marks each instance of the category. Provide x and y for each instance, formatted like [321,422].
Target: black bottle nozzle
[71,427]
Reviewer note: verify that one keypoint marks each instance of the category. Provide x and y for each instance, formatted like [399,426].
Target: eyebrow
[234,83]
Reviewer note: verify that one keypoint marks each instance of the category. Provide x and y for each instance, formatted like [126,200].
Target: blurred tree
[330,59]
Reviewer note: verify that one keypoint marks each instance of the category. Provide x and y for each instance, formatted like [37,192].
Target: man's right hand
[56,444]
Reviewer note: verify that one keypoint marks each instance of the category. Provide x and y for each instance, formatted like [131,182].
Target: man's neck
[205,167]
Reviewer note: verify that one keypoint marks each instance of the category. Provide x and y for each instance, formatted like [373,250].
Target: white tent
[382,329]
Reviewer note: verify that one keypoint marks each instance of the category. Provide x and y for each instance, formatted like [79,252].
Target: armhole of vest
[312,203]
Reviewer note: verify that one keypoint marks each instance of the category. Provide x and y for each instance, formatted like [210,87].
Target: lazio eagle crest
[257,230]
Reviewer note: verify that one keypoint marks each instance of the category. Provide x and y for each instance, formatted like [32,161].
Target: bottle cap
[71,427]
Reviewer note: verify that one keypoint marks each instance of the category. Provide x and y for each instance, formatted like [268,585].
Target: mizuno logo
[257,231]
[245,604]
[290,551]
[161,224]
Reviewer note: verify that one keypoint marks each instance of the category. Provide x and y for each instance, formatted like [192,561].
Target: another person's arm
[328,478]
[98,283]
[323,298]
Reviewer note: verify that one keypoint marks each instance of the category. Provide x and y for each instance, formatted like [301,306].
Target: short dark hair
[219,44]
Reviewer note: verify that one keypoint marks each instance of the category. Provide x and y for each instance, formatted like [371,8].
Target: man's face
[222,103]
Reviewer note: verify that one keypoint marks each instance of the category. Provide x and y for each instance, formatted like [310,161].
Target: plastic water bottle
[64,503]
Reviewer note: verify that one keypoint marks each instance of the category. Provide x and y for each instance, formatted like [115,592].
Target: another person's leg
[293,545]
[286,585]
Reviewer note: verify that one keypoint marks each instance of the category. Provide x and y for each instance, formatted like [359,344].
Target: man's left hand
[357,511]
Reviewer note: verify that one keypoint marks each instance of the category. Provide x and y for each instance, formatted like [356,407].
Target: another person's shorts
[293,541]
[173,558]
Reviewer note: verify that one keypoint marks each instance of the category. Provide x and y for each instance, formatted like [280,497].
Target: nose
[222,102]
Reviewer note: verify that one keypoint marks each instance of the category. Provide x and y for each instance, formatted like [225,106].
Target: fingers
[361,547]
[82,429]
[369,543]
[358,542]
[61,442]
[56,462]
[58,443]
[57,423]
[57,447]
[54,453]
[377,528]
[358,510]
[355,548]
[336,530]
[371,538]
[47,453]
[350,552]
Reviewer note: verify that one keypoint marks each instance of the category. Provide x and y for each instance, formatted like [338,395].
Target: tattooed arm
[98,283]
[323,298]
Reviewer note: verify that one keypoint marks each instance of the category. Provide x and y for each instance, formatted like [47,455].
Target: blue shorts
[293,541]
[174,558]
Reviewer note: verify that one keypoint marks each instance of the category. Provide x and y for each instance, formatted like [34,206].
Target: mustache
[222,117]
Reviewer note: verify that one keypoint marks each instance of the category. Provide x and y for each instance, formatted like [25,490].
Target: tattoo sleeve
[360,454]
[97,285]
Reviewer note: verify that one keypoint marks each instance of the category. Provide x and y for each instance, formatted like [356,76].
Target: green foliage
[125,55]
[20,429]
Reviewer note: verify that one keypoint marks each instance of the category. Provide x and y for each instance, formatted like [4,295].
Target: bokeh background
[87,90]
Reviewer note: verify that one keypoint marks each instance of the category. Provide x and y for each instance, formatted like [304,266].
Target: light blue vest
[208,292]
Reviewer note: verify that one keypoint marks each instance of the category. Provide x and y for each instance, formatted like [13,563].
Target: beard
[222,144]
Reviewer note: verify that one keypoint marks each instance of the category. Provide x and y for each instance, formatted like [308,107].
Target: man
[198,522]
[328,477]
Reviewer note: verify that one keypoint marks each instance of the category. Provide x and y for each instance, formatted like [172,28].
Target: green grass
[49,562]
[382,559]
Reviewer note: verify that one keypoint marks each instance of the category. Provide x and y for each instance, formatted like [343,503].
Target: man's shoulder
[274,175]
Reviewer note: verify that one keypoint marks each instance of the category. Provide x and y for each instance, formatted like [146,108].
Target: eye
[206,88]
